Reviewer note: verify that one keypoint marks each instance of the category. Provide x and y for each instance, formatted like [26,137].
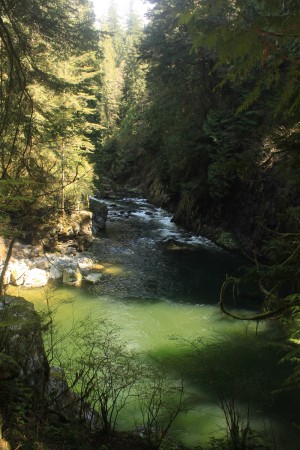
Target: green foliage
[251,37]
[161,400]
[292,349]
[229,136]
[236,378]
[40,104]
[217,133]
[122,97]
[98,368]
[108,372]
[103,376]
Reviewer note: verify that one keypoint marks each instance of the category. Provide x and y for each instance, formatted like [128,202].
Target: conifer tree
[251,37]
[42,111]
[134,69]
[27,83]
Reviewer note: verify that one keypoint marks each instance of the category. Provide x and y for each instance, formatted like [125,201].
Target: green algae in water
[167,331]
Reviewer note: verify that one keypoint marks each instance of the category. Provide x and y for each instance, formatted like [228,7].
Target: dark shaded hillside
[251,210]
[186,145]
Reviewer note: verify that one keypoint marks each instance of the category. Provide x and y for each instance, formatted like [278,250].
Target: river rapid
[161,285]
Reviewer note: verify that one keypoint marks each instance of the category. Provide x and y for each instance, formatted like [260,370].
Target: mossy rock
[9,368]
[227,240]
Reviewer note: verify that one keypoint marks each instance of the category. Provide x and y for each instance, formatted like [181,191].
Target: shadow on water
[215,355]
[240,365]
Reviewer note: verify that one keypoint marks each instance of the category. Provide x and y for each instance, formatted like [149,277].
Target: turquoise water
[160,285]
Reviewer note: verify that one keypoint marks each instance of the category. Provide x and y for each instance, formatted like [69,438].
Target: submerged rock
[72,277]
[93,277]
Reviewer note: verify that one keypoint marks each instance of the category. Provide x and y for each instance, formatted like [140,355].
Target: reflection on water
[160,283]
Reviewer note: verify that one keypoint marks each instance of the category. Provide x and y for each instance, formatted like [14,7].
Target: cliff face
[242,219]
[24,368]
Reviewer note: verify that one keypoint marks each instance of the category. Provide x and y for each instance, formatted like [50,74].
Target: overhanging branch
[271,314]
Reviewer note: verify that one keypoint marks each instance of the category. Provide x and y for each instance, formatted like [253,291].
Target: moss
[227,240]
[9,368]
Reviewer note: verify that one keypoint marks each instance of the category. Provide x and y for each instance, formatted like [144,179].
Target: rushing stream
[160,281]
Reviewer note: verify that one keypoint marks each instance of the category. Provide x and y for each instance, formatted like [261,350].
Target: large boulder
[67,404]
[42,263]
[18,271]
[74,231]
[55,272]
[99,211]
[35,278]
[23,340]
[61,398]
[24,368]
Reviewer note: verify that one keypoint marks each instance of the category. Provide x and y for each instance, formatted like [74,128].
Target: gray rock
[18,270]
[99,211]
[66,402]
[55,273]
[75,229]
[42,263]
[9,368]
[35,278]
[61,397]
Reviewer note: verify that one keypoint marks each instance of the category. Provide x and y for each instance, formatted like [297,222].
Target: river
[160,282]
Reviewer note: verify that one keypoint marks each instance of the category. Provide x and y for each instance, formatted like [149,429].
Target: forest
[196,109]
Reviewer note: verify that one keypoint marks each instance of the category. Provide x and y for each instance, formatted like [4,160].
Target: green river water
[159,282]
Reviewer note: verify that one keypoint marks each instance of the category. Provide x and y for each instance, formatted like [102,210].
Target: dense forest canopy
[49,81]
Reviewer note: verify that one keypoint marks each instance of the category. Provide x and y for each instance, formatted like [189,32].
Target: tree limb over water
[285,304]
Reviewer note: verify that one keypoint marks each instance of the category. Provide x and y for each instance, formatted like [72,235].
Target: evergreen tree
[117,33]
[134,69]
[112,79]
[29,47]
[43,114]
[122,94]
[252,37]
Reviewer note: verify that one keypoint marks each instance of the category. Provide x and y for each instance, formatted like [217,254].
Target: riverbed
[160,285]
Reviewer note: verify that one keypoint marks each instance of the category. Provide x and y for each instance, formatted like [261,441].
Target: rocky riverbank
[36,271]
[61,252]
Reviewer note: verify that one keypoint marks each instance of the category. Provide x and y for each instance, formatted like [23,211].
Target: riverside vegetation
[199,110]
